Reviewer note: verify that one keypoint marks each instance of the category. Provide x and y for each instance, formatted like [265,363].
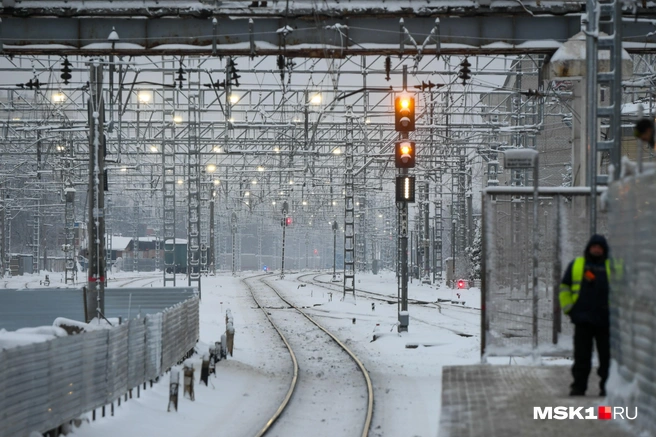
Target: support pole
[403,316]
[285,211]
[95,292]
[282,262]
[335,226]
[403,277]
[211,254]
[536,249]
[3,235]
[591,112]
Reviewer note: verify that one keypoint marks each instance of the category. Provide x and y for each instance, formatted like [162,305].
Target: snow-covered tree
[567,176]
[474,253]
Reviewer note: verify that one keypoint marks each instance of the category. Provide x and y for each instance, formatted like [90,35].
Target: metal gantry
[262,133]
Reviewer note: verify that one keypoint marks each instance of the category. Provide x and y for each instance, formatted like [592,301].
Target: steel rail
[267,426]
[377,296]
[365,373]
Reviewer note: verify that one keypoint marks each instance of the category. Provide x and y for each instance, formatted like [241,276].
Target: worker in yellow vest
[583,297]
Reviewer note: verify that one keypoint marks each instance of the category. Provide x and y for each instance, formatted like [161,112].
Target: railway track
[133,279]
[392,300]
[380,296]
[321,385]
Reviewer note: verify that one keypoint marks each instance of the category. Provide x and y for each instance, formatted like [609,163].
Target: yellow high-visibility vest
[570,294]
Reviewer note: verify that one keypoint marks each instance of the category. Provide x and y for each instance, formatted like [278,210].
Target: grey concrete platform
[498,401]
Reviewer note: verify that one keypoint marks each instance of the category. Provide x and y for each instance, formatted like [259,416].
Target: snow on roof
[574,50]
[634,108]
[120,243]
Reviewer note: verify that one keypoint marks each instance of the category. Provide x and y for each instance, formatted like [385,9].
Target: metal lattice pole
[168,210]
[193,197]
[349,213]
[233,249]
[135,233]
[426,234]
[70,268]
[95,295]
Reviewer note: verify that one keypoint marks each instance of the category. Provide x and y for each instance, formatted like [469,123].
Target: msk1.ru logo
[602,413]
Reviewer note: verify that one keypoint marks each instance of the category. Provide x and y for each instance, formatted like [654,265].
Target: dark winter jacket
[591,305]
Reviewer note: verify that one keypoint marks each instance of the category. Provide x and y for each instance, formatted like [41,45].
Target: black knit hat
[642,126]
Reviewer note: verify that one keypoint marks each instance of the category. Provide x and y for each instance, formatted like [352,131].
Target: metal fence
[633,301]
[46,384]
[23,308]
[507,269]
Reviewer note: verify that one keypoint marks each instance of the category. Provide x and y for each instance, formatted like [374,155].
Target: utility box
[404,318]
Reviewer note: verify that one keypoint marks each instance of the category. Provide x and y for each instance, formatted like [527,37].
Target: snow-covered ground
[249,385]
[406,369]
[118,279]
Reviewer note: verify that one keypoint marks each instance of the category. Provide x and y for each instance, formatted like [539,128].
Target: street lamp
[58,97]
[144,97]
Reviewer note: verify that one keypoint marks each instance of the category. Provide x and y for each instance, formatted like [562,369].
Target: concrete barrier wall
[632,223]
[46,384]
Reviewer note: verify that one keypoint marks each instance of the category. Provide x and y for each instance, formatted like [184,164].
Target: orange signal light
[404,113]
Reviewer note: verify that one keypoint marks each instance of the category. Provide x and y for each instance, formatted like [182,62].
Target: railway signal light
[405,189]
[404,154]
[404,113]
[287,221]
